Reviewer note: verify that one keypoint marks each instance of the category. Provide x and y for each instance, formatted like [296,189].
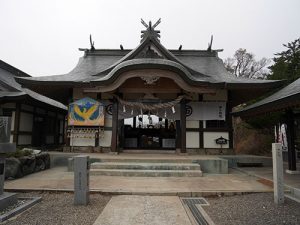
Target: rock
[33,151]
[13,168]
[19,167]
[45,157]
[39,165]
[28,164]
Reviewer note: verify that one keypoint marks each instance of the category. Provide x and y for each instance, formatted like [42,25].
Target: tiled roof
[9,88]
[288,96]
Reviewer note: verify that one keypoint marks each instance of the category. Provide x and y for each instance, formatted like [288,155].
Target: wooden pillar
[166,123]
[201,134]
[17,123]
[134,122]
[183,125]
[229,120]
[122,133]
[178,135]
[291,140]
[114,137]
[56,130]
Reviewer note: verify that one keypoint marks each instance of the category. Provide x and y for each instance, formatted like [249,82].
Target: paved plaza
[136,210]
[158,200]
[59,179]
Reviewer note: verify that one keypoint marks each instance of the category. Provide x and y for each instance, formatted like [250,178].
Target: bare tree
[243,64]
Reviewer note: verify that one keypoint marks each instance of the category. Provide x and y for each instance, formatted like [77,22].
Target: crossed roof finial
[150,30]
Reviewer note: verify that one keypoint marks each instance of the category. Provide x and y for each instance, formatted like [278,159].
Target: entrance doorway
[149,132]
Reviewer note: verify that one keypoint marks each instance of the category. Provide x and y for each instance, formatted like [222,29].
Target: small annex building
[286,100]
[150,98]
[36,120]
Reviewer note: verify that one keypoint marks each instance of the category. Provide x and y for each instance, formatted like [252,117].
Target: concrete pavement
[58,178]
[267,173]
[143,210]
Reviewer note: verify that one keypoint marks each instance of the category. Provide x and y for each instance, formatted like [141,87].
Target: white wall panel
[24,139]
[221,95]
[82,142]
[192,139]
[108,122]
[13,119]
[106,140]
[210,137]
[26,122]
[192,124]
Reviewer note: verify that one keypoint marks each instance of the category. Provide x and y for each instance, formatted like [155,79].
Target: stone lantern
[6,198]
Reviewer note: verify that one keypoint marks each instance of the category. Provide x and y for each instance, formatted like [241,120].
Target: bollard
[278,173]
[81,180]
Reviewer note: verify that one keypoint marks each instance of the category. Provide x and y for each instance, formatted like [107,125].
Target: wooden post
[17,123]
[178,135]
[134,122]
[183,125]
[291,140]
[56,130]
[114,137]
[229,120]
[201,137]
[166,124]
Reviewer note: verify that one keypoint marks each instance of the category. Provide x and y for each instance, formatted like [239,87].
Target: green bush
[19,153]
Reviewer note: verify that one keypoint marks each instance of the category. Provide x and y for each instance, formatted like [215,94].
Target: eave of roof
[13,70]
[150,63]
[287,97]
[15,90]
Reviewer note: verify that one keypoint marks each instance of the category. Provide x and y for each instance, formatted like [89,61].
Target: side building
[150,98]
[36,120]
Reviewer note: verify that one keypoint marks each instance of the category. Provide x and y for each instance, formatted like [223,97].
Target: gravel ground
[252,209]
[58,209]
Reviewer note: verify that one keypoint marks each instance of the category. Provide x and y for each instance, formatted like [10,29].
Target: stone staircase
[145,168]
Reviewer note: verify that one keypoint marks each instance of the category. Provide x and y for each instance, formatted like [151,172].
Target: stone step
[146,173]
[145,166]
[147,160]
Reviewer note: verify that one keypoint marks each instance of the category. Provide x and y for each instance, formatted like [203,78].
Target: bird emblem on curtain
[86,112]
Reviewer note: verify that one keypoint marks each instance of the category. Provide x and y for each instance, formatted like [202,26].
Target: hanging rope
[151,107]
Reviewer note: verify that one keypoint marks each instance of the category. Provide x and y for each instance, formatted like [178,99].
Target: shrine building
[149,98]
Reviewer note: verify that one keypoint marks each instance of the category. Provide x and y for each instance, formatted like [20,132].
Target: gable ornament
[150,80]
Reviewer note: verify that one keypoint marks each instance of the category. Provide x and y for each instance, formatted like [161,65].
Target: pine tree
[287,63]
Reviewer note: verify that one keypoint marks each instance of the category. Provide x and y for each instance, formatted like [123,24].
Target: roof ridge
[12,69]
[149,39]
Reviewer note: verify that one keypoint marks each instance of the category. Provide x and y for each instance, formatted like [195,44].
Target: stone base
[292,172]
[7,147]
[210,151]
[7,199]
[114,153]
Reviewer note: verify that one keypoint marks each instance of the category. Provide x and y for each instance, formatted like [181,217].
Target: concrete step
[146,173]
[145,166]
[147,160]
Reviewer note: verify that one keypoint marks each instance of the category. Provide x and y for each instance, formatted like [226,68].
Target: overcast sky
[42,37]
